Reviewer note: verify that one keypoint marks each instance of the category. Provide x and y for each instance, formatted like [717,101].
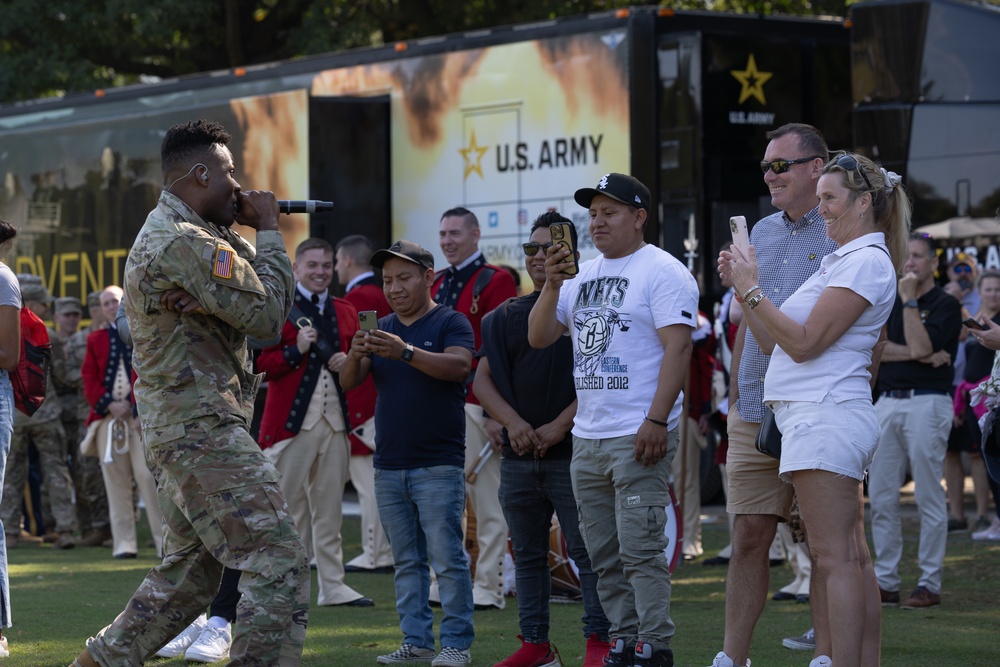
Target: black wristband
[657,422]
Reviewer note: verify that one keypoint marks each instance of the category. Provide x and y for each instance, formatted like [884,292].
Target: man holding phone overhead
[629,314]
[303,431]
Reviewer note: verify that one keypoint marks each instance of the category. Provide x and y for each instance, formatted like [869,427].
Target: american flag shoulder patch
[222,267]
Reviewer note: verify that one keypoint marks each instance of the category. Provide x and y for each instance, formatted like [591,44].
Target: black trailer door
[349,165]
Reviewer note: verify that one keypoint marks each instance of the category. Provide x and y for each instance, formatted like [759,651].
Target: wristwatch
[912,303]
[407,355]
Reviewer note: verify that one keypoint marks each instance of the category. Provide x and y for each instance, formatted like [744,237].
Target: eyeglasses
[781,166]
[850,163]
[531,249]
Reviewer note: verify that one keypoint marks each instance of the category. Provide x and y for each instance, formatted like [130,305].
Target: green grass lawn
[61,597]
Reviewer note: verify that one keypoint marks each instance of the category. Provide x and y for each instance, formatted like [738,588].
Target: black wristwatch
[912,303]
[407,354]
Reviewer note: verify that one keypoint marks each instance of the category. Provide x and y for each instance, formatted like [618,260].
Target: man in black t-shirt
[530,396]
[915,412]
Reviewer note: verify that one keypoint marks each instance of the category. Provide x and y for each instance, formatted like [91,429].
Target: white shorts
[838,437]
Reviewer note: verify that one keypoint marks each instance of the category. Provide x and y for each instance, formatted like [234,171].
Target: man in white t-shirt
[629,313]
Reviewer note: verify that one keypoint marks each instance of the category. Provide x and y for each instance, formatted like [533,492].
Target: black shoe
[484,607]
[802,597]
[782,596]
[715,560]
[385,569]
[620,655]
[360,602]
[957,525]
[126,554]
[645,656]
[777,562]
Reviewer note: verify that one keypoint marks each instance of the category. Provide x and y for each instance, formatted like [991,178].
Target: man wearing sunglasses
[789,244]
[530,394]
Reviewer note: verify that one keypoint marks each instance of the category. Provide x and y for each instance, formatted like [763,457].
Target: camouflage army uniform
[91,499]
[45,430]
[220,498]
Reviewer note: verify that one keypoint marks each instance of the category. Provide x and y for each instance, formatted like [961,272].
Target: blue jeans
[421,511]
[530,491]
[6,431]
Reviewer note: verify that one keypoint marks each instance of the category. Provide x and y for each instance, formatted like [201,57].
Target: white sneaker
[723,660]
[407,654]
[212,644]
[991,533]
[821,661]
[175,647]
[452,657]
[4,651]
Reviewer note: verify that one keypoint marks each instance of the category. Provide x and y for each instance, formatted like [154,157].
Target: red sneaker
[532,655]
[596,650]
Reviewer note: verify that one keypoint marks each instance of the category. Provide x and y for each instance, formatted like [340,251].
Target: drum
[564,572]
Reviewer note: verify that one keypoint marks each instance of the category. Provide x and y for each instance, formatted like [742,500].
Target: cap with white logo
[620,187]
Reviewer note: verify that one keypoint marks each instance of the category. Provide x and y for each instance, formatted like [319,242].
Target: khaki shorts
[754,486]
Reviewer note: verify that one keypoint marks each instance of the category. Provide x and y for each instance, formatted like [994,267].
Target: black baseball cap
[623,188]
[404,250]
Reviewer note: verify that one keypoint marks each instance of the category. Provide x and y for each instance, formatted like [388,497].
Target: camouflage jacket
[74,351]
[194,366]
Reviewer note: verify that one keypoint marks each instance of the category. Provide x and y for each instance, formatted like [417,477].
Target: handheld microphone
[306,206]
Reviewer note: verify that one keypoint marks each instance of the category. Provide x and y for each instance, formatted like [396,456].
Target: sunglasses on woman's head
[850,163]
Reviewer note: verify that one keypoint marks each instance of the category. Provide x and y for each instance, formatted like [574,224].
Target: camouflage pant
[50,442]
[91,499]
[221,506]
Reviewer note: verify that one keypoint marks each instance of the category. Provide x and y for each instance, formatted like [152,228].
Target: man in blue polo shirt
[420,357]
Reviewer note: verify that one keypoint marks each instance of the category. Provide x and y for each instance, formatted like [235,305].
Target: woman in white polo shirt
[818,384]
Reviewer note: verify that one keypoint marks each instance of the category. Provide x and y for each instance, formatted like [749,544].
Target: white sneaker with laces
[212,644]
[723,660]
[821,661]
[991,533]
[407,654]
[175,647]
[452,657]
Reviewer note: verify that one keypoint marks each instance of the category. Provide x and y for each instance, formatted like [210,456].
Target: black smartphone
[563,237]
[975,324]
[368,320]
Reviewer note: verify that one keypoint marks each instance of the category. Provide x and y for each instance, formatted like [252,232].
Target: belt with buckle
[910,393]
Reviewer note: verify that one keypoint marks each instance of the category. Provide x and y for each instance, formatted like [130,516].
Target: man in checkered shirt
[789,245]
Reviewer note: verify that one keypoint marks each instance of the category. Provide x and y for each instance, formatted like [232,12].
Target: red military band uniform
[303,432]
[457,289]
[367,294]
[108,377]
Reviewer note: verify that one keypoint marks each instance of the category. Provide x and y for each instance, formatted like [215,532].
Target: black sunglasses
[781,166]
[531,249]
[850,163]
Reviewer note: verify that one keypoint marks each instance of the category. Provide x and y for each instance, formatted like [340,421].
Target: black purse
[768,437]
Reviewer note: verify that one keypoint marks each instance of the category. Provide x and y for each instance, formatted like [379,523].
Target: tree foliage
[57,46]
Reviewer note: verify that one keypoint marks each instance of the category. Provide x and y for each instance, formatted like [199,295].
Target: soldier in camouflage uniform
[91,499]
[194,291]
[45,430]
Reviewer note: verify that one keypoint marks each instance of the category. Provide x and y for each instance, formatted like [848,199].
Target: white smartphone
[741,237]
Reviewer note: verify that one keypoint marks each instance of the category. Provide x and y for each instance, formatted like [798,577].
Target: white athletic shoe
[212,644]
[175,647]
